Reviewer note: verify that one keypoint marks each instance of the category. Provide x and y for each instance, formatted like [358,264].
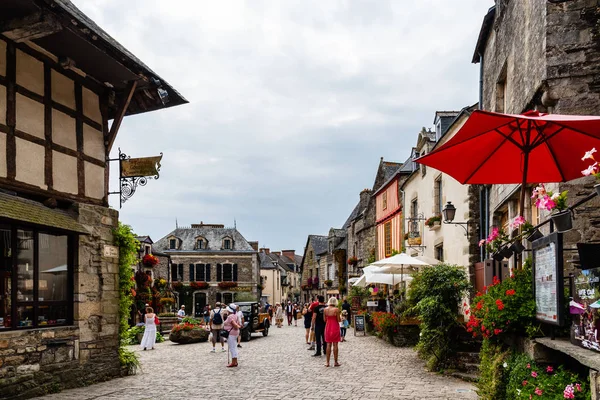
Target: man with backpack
[216,324]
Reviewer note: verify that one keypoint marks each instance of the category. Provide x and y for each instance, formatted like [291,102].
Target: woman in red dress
[332,330]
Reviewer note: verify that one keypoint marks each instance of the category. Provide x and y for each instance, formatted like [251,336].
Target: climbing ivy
[128,246]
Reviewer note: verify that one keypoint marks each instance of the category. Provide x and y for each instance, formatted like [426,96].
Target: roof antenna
[176,224]
[234,224]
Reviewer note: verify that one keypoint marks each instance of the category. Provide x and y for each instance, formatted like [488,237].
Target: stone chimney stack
[277,253]
[365,195]
[254,245]
[265,250]
[289,254]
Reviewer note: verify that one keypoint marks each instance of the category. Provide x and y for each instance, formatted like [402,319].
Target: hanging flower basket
[177,285]
[517,247]
[353,261]
[535,235]
[328,283]
[563,221]
[149,260]
[227,284]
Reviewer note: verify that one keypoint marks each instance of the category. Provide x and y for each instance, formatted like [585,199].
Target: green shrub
[435,295]
[131,336]
[493,375]
[129,359]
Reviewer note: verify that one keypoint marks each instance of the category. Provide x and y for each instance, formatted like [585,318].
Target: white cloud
[291,103]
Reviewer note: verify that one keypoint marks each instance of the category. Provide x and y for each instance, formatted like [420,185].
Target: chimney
[277,253]
[289,254]
[265,250]
[254,245]
[365,195]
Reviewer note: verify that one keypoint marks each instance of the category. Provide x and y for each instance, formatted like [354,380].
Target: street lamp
[449,213]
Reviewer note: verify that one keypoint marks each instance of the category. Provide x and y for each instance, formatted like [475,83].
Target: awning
[28,211]
[333,291]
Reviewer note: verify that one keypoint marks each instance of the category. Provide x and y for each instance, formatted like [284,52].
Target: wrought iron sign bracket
[132,176]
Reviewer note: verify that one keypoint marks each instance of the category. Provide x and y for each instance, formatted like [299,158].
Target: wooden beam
[31,27]
[121,111]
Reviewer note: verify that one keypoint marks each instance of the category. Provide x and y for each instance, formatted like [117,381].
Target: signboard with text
[359,324]
[548,278]
[135,167]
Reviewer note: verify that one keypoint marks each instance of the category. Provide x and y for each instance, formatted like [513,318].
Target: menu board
[359,324]
[548,279]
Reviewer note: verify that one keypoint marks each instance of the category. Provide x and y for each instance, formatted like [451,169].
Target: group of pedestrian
[325,327]
[225,323]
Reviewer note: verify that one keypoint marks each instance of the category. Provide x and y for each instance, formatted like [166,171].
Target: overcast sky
[292,104]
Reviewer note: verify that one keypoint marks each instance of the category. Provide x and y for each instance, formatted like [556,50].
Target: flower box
[149,260]
[184,336]
[199,285]
[435,226]
[328,283]
[227,284]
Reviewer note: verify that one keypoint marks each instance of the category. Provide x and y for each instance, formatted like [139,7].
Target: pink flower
[590,170]
[534,374]
[589,155]
[524,383]
[578,387]
[482,242]
[518,221]
[528,366]
[549,369]
[538,391]
[569,393]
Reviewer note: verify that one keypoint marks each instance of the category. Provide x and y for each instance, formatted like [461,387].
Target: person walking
[232,326]
[278,315]
[149,338]
[319,324]
[307,313]
[332,330]
[296,312]
[346,307]
[216,324]
[206,314]
[289,312]
[344,325]
[240,316]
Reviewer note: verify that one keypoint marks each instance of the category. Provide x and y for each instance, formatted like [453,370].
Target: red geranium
[500,304]
[510,292]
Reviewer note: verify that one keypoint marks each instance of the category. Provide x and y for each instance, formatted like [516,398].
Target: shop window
[387,230]
[36,286]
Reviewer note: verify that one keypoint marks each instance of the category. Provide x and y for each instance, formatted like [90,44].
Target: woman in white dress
[149,338]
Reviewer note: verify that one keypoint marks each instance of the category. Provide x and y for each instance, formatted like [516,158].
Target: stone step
[468,357]
[470,367]
[465,376]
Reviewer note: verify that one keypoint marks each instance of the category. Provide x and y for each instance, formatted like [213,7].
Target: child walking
[344,325]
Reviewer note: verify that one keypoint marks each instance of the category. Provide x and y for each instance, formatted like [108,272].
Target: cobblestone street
[277,367]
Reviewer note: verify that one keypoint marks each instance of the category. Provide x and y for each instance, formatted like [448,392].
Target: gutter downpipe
[483,192]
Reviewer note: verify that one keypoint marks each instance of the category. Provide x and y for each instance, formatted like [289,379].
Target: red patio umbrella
[533,147]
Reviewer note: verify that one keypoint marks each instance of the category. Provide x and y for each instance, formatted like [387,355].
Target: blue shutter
[219,272]
[207,272]
[192,275]
[235,272]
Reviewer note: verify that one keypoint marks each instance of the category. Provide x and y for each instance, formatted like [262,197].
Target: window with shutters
[437,196]
[227,272]
[192,274]
[200,272]
[384,200]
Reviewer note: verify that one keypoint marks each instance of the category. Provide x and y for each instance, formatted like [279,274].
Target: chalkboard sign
[548,278]
[359,324]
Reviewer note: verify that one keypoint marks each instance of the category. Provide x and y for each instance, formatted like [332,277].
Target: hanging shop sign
[134,172]
[548,279]
[585,309]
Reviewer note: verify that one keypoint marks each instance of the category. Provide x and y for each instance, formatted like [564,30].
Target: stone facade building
[280,275]
[211,255]
[62,78]
[542,55]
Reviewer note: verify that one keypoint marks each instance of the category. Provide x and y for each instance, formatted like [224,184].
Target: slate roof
[389,169]
[343,245]
[20,209]
[267,260]
[352,216]
[319,243]
[214,236]
[144,239]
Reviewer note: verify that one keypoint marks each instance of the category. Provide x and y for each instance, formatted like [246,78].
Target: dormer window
[172,244]
[201,243]
[227,245]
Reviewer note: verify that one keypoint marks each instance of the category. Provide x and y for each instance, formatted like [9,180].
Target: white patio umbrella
[388,279]
[353,280]
[396,264]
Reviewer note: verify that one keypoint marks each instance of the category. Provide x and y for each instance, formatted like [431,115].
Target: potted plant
[227,284]
[495,242]
[199,285]
[328,282]
[530,233]
[353,261]
[434,221]
[315,281]
[554,202]
[593,169]
[177,285]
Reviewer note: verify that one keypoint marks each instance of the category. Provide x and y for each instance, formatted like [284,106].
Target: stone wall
[38,361]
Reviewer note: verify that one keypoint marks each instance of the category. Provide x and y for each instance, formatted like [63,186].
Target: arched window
[227,243]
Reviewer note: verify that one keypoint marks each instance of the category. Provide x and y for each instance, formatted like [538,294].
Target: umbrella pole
[523,185]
